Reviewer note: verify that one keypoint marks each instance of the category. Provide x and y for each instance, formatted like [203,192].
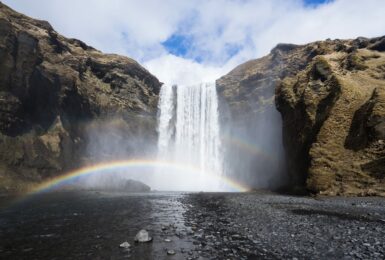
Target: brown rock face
[333,115]
[247,94]
[52,88]
[331,98]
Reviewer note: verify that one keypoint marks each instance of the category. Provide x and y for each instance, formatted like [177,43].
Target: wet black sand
[92,225]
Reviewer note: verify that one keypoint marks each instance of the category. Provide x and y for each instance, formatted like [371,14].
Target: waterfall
[188,128]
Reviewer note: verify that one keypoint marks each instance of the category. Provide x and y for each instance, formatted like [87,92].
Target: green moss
[355,62]
[320,70]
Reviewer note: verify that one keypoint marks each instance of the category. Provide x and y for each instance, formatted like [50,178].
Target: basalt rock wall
[55,91]
[331,97]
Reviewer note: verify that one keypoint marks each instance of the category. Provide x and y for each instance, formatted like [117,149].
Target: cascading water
[188,127]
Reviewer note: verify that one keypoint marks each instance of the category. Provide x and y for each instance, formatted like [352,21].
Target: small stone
[124,245]
[167,240]
[143,236]
[236,237]
[47,235]
[171,252]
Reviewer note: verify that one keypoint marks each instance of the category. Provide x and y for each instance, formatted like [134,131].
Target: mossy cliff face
[331,96]
[54,91]
[334,116]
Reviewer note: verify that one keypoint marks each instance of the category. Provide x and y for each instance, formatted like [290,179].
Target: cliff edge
[54,91]
[331,97]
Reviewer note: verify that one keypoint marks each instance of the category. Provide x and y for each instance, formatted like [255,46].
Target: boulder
[135,186]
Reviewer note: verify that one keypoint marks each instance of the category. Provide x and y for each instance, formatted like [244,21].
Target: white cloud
[176,70]
[137,28]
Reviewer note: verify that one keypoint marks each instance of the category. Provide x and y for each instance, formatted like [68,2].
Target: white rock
[171,252]
[143,236]
[124,245]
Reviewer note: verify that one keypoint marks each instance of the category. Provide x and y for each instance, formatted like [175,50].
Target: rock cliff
[331,96]
[64,104]
[55,91]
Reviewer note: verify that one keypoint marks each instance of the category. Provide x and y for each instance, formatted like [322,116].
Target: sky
[192,41]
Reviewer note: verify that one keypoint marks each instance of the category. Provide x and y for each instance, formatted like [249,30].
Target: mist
[251,130]
[118,138]
[254,151]
[194,143]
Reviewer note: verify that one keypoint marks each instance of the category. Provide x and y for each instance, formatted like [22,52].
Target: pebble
[225,230]
[125,245]
[143,236]
[171,252]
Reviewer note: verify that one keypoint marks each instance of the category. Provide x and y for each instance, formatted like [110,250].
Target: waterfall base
[189,134]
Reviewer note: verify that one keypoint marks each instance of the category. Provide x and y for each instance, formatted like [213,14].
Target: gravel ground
[260,225]
[271,226]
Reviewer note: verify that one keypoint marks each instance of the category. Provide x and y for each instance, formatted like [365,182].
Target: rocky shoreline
[272,226]
[258,225]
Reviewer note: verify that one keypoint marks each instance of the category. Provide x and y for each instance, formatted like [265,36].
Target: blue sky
[315,3]
[187,42]
[179,44]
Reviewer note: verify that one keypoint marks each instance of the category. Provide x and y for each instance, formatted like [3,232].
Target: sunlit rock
[331,97]
[143,236]
[125,245]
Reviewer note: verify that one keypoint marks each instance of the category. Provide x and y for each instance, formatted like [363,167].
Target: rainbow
[114,166]
[247,147]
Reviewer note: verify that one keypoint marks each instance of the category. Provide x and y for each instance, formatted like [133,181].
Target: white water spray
[188,127]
